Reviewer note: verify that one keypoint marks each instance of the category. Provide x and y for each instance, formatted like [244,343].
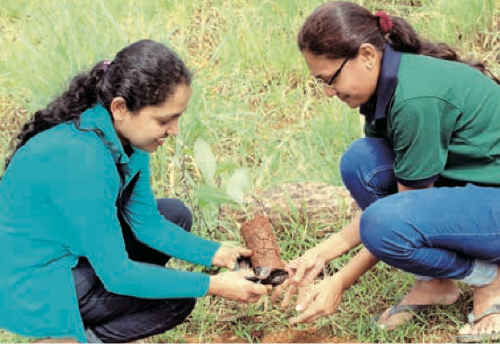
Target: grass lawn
[255,119]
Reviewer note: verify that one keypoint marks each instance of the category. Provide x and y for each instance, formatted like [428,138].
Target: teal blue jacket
[58,203]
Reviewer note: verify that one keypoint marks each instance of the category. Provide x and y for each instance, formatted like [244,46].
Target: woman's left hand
[226,257]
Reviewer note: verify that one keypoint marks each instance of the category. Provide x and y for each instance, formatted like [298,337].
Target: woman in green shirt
[427,174]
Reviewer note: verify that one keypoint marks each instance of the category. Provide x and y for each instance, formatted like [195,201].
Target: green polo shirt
[442,118]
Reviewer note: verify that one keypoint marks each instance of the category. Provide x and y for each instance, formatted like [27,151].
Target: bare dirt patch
[283,336]
[301,336]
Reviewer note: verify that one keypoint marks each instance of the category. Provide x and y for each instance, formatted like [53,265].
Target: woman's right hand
[302,271]
[319,300]
[234,286]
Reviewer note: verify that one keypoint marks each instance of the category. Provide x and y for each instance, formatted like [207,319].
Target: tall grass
[253,103]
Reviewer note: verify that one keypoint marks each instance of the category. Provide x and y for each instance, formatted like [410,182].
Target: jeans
[113,318]
[447,232]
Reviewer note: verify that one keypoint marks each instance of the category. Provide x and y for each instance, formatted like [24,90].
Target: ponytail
[403,38]
[80,96]
[144,73]
[337,29]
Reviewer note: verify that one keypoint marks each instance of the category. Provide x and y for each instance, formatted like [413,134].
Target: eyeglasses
[335,75]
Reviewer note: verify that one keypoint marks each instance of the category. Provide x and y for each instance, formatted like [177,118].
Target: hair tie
[384,21]
[106,64]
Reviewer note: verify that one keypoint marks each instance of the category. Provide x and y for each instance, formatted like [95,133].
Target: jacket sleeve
[155,231]
[83,185]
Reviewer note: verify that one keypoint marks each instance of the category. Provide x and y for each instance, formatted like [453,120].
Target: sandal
[480,338]
[414,309]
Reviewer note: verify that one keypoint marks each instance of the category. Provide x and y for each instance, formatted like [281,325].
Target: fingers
[286,300]
[256,292]
[253,299]
[256,297]
[303,299]
[245,273]
[304,267]
[260,289]
[291,267]
[311,274]
[305,317]
[310,312]
[278,291]
[245,252]
[234,254]
[299,269]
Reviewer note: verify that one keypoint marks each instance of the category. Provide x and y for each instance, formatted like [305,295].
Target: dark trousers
[114,318]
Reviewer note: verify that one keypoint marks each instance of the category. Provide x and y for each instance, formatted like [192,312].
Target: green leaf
[226,166]
[237,185]
[211,195]
[205,159]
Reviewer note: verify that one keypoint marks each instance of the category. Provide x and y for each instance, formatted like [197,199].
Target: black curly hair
[145,73]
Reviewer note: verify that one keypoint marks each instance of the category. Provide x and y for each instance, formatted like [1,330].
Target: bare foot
[485,297]
[438,291]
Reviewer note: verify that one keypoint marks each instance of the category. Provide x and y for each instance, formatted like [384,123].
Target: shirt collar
[376,107]
[99,118]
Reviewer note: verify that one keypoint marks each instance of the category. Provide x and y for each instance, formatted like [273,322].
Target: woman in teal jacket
[83,241]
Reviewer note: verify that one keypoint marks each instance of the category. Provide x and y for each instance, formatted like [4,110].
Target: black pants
[118,318]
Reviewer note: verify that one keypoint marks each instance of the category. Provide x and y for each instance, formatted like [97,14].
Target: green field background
[255,113]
